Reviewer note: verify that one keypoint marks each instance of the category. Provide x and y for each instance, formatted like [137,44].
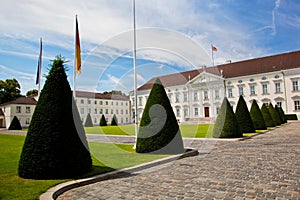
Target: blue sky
[172,36]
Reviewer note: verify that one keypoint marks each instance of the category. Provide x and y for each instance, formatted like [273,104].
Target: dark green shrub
[103,121]
[114,121]
[267,116]
[274,114]
[257,117]
[55,146]
[88,121]
[159,132]
[282,115]
[226,125]
[243,116]
[15,124]
[279,114]
[291,117]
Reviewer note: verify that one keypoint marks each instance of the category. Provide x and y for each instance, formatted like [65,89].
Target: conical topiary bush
[279,114]
[15,124]
[282,114]
[103,121]
[159,132]
[114,121]
[88,121]
[226,125]
[267,116]
[243,116]
[257,117]
[55,146]
[274,114]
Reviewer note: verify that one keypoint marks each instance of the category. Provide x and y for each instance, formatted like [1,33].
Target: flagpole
[39,69]
[135,75]
[212,55]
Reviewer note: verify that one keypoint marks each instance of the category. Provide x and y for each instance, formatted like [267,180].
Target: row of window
[103,102]
[19,109]
[101,111]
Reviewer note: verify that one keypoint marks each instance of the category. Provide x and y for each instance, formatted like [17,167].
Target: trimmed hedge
[103,121]
[159,132]
[15,124]
[291,117]
[226,125]
[243,117]
[282,115]
[114,121]
[267,116]
[88,121]
[257,117]
[55,146]
[274,114]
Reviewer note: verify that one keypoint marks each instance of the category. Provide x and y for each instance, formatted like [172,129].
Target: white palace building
[197,95]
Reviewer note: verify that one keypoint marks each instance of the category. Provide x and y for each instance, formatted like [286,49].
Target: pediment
[205,77]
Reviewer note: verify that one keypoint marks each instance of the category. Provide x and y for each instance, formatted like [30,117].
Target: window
[230,92]
[195,96]
[18,109]
[240,81]
[126,111]
[140,101]
[81,110]
[186,112]
[112,103]
[185,97]
[112,111]
[101,111]
[101,102]
[276,76]
[89,101]
[95,102]
[117,111]
[264,78]
[277,87]
[196,111]
[205,95]
[241,91]
[82,101]
[251,80]
[177,98]
[106,111]
[218,109]
[89,110]
[27,109]
[117,103]
[265,88]
[95,111]
[252,89]
[106,102]
[170,97]
[177,112]
[295,86]
[297,105]
[27,122]
[279,104]
[217,94]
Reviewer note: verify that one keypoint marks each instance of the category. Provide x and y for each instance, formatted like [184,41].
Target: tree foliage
[282,114]
[267,116]
[159,132]
[88,121]
[274,114]
[243,116]
[9,90]
[32,93]
[257,117]
[55,146]
[114,121]
[15,124]
[226,125]
[103,121]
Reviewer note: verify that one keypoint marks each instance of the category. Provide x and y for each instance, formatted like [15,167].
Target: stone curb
[55,191]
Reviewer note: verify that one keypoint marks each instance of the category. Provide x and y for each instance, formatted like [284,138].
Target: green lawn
[106,157]
[187,130]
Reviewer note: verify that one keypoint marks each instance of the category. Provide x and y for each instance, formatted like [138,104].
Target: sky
[171,36]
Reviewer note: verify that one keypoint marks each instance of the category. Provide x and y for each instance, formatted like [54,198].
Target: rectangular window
[252,90]
[117,103]
[117,111]
[186,112]
[217,94]
[27,122]
[18,109]
[106,111]
[82,101]
[89,101]
[241,91]
[279,104]
[95,102]
[277,87]
[177,112]
[230,92]
[297,105]
[101,102]
[111,111]
[89,110]
[140,101]
[101,111]
[177,98]
[265,88]
[95,111]
[196,111]
[295,86]
[195,96]
[27,109]
[205,95]
[112,103]
[185,97]
[82,111]
[106,102]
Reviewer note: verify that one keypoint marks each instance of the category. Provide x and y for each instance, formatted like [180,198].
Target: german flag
[77,50]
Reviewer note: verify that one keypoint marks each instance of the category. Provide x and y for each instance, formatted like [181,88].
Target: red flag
[213,48]
[77,50]
[38,73]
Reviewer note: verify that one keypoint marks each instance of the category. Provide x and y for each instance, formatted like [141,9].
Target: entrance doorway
[206,111]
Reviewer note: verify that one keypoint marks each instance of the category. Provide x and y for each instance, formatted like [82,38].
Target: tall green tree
[159,131]
[103,121]
[226,125]
[257,117]
[9,90]
[114,121]
[267,116]
[243,116]
[32,93]
[274,114]
[88,121]
[55,146]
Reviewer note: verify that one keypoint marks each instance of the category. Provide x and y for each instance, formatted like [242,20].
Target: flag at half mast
[77,50]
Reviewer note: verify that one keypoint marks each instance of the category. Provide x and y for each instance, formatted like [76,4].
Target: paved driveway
[264,167]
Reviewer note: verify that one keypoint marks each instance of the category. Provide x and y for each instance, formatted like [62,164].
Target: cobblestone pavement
[263,167]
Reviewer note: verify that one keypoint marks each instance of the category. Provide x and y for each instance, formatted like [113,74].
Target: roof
[101,96]
[21,100]
[267,64]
